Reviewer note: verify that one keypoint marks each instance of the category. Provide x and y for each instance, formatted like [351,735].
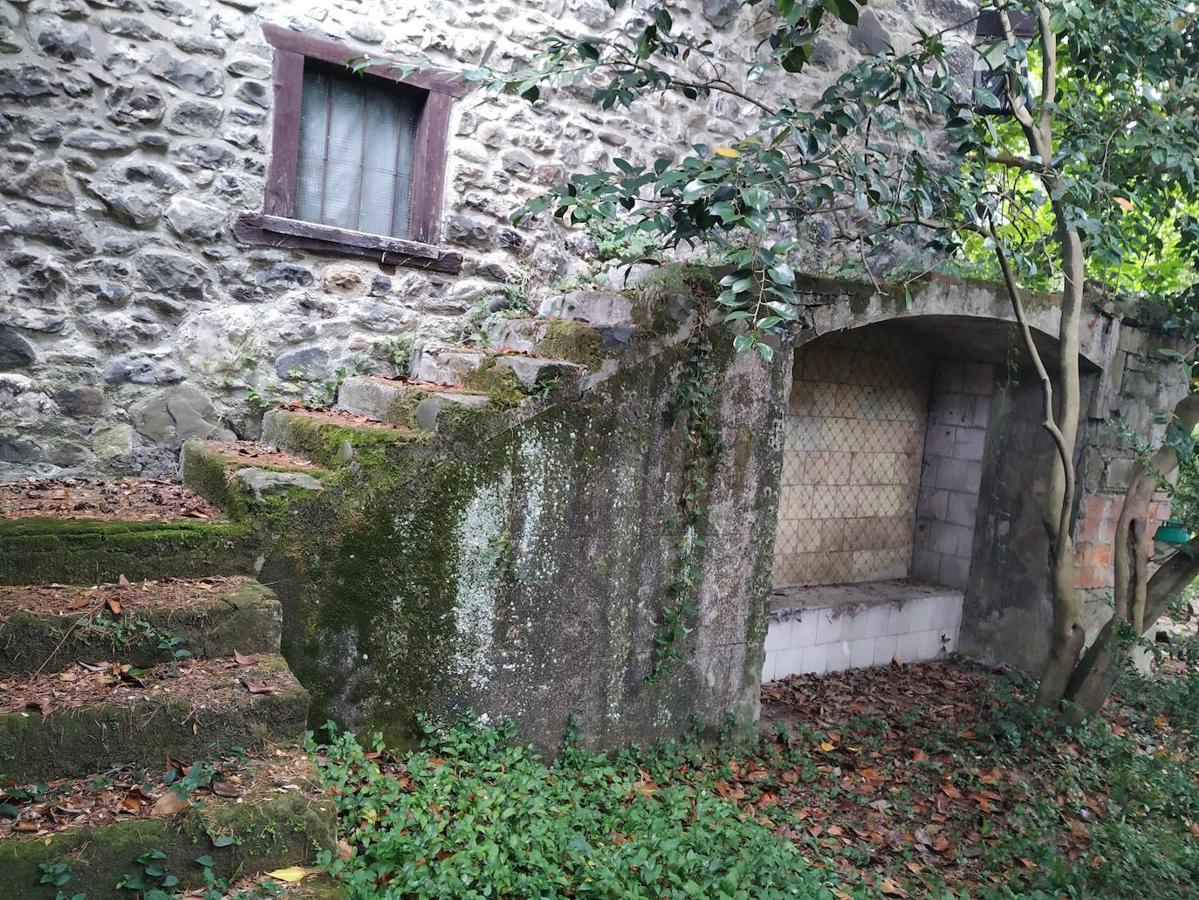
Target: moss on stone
[89,551]
[245,618]
[334,445]
[277,831]
[500,384]
[575,341]
[207,473]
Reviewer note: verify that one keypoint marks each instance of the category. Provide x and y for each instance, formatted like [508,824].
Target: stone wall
[132,132]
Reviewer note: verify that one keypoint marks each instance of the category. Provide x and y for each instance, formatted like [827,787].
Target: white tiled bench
[829,628]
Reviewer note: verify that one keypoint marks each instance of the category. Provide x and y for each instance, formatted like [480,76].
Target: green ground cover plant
[934,780]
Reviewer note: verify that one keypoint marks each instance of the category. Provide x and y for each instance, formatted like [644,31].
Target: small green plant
[59,876]
[154,882]
[125,632]
[397,350]
[694,412]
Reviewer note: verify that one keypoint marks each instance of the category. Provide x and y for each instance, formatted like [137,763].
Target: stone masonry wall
[132,132]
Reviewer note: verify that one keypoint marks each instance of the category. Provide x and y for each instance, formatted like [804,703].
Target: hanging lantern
[1170,535]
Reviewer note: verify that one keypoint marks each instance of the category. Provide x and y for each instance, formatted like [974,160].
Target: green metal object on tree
[1170,535]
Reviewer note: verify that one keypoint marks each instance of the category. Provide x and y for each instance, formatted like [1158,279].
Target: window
[991,64]
[357,163]
[355,155]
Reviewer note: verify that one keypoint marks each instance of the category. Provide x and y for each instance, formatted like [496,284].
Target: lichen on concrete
[483,545]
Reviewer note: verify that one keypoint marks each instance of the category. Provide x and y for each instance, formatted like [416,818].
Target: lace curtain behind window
[356,153]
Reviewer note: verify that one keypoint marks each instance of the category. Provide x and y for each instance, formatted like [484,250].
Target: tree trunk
[1097,671]
[1066,635]
[1139,600]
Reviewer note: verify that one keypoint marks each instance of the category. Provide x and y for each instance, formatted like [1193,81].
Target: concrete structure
[914,461]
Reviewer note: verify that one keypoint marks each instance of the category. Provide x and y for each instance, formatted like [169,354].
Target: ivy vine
[694,412]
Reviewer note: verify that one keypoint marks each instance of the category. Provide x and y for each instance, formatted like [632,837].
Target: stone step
[236,476]
[86,532]
[535,371]
[444,365]
[516,335]
[255,814]
[408,403]
[49,627]
[70,723]
[557,338]
[601,308]
[335,438]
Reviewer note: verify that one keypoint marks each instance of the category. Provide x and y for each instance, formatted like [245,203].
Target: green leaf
[845,10]
[756,198]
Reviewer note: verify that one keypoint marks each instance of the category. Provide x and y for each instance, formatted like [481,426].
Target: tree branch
[1049,423]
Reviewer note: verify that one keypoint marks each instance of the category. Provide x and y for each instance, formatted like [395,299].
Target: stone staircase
[101,714]
[151,735]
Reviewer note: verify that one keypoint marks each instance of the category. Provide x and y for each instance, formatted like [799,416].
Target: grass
[934,781]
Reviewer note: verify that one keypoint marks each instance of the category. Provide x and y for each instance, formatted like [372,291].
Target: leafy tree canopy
[902,158]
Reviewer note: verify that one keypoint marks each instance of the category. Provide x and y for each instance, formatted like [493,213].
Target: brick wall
[1138,388]
[958,412]
[851,464]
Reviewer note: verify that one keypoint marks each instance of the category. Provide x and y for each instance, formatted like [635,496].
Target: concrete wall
[525,575]
[133,133]
[958,413]
[851,464]
[1006,605]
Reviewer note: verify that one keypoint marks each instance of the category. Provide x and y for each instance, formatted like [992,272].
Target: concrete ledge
[829,628]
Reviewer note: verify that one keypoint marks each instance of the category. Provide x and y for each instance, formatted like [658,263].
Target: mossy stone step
[188,712]
[50,627]
[228,476]
[405,403]
[281,819]
[332,438]
[89,551]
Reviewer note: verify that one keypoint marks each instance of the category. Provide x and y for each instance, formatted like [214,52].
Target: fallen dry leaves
[140,500]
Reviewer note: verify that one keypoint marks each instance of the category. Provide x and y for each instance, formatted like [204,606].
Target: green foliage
[1104,810]
[59,876]
[154,882]
[397,350]
[124,632]
[855,171]
[475,815]
[694,412]
[506,301]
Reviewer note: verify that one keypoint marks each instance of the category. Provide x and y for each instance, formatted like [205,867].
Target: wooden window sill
[277,231]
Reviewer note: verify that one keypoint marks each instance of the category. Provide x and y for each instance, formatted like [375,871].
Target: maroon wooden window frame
[276,225]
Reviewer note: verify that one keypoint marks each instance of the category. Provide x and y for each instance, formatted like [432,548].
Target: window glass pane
[357,138]
[314,119]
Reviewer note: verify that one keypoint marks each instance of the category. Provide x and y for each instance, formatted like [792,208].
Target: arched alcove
[889,441]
